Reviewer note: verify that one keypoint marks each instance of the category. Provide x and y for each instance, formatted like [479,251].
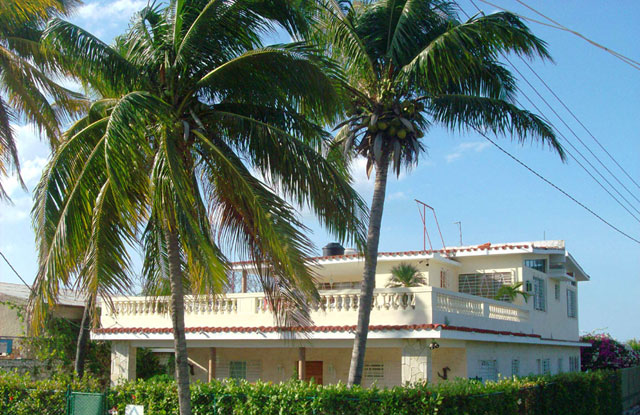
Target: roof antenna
[459,223]
[423,216]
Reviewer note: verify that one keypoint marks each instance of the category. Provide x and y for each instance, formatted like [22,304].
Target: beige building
[13,298]
[452,327]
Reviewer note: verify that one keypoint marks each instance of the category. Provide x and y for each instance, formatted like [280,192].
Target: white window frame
[560,365]
[515,367]
[572,304]
[574,364]
[544,261]
[556,288]
[539,294]
[546,366]
[488,369]
[240,364]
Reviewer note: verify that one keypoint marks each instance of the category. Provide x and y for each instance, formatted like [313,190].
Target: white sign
[134,410]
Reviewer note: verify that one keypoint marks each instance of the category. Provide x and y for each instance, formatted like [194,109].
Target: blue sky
[468,180]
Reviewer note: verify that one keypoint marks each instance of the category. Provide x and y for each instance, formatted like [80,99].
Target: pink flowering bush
[606,353]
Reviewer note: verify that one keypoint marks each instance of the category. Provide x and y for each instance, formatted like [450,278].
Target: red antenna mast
[423,217]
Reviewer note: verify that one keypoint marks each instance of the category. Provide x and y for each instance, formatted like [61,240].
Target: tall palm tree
[26,87]
[405,275]
[193,107]
[410,64]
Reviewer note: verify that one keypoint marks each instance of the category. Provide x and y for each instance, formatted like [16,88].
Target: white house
[450,328]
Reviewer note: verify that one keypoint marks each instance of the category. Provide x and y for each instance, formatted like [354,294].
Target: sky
[468,180]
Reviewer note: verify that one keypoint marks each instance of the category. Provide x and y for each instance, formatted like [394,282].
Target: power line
[634,64]
[558,188]
[574,134]
[578,151]
[581,124]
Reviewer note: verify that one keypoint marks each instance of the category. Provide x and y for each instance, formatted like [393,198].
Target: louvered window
[572,306]
[539,295]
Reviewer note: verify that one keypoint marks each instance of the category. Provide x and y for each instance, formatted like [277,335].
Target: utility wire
[578,151]
[634,64]
[581,124]
[31,288]
[575,135]
[559,189]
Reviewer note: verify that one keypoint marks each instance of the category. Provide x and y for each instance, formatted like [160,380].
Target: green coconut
[402,133]
[392,131]
[382,125]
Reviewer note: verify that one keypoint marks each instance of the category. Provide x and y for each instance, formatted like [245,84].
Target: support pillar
[212,363]
[302,363]
[123,361]
[243,283]
[416,361]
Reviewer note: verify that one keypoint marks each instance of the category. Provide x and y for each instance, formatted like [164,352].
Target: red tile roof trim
[322,329]
[483,247]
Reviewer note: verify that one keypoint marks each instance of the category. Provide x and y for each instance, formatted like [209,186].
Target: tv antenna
[422,209]
[459,223]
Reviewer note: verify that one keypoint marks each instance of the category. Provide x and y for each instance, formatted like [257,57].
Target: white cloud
[467,147]
[397,196]
[101,10]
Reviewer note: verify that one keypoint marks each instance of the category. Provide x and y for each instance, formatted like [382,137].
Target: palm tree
[405,275]
[410,64]
[511,292]
[193,108]
[25,85]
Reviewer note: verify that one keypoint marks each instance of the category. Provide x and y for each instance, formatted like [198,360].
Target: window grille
[484,285]
[537,264]
[539,295]
[489,369]
[560,365]
[557,290]
[373,371]
[515,367]
[250,370]
[443,279]
[546,366]
[539,365]
[238,370]
[572,306]
[574,364]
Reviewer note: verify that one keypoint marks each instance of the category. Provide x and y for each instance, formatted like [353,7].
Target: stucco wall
[455,358]
[279,364]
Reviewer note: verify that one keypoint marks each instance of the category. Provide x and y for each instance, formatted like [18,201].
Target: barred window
[539,294]
[443,278]
[574,364]
[484,285]
[537,264]
[560,365]
[557,290]
[572,306]
[373,371]
[546,366]
[250,370]
[238,370]
[515,367]
[488,369]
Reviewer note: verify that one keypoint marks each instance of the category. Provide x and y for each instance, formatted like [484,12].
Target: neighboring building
[451,328]
[12,331]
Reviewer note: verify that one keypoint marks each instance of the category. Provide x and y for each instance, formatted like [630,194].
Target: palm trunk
[177,318]
[83,337]
[369,277]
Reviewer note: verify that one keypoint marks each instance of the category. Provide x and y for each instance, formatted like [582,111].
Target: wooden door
[313,370]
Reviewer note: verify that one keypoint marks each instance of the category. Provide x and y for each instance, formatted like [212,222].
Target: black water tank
[333,249]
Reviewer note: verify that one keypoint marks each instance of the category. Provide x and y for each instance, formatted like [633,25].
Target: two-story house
[452,327]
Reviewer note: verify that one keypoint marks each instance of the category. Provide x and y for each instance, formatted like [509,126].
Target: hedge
[594,393]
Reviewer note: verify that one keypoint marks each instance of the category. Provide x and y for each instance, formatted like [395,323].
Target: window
[238,369]
[6,346]
[488,370]
[560,365]
[546,366]
[572,306]
[539,366]
[537,264]
[539,295]
[483,285]
[515,367]
[373,371]
[557,290]
[443,278]
[574,364]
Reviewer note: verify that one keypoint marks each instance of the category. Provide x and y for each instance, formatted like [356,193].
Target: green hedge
[595,393]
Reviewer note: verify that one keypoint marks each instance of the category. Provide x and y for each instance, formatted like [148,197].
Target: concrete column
[212,363]
[302,363]
[416,361]
[123,361]
[243,283]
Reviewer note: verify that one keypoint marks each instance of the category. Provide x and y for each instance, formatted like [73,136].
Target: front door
[314,370]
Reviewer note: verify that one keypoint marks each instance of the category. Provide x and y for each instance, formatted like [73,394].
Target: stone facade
[416,361]
[123,361]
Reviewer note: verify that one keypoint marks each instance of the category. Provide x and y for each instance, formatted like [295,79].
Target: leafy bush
[596,393]
[606,353]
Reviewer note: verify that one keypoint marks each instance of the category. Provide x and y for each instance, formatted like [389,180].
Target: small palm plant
[405,275]
[511,292]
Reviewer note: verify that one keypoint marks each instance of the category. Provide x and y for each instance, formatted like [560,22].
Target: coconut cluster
[395,120]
